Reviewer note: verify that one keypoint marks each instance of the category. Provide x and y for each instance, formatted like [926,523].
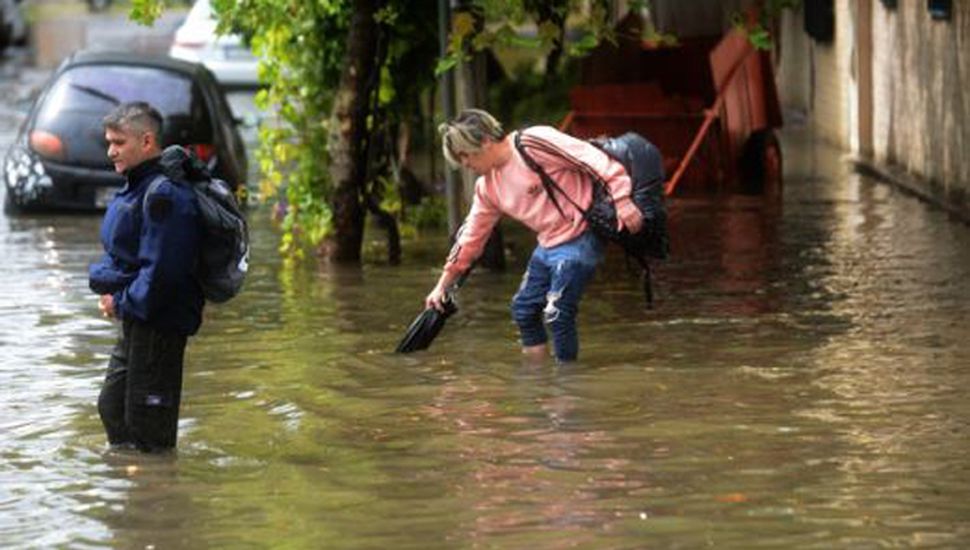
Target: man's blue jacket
[151,242]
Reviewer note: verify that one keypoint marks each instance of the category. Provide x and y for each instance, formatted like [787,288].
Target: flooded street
[802,383]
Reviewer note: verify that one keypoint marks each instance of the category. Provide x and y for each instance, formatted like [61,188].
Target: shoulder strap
[153,186]
[155,183]
[548,183]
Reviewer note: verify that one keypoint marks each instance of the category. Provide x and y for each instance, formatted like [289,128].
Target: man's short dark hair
[136,115]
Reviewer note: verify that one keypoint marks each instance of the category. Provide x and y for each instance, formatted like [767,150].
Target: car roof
[97,57]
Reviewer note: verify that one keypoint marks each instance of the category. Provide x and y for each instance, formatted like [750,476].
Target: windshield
[95,89]
[78,101]
[96,93]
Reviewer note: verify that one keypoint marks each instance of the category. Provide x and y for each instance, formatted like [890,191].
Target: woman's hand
[634,223]
[629,216]
[436,298]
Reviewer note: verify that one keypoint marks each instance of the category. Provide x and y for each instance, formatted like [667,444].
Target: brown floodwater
[803,382]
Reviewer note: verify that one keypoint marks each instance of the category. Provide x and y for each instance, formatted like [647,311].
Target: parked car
[59,159]
[227,56]
[99,5]
[13,28]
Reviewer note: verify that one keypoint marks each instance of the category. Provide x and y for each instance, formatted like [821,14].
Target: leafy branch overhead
[341,92]
[308,152]
[525,24]
[758,31]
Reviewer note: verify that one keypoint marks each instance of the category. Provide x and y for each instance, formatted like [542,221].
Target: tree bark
[348,131]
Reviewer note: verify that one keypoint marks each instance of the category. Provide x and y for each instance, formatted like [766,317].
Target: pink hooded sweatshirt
[515,190]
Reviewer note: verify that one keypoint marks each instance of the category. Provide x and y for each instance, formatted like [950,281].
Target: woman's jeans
[551,289]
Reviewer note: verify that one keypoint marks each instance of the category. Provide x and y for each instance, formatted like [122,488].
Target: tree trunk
[348,131]
[473,93]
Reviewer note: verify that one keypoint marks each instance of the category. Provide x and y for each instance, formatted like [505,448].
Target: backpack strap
[551,185]
[548,183]
[155,183]
[153,186]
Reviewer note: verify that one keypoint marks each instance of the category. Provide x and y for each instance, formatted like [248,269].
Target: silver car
[229,59]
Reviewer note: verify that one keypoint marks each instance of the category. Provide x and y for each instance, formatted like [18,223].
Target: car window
[192,127]
[98,89]
[76,104]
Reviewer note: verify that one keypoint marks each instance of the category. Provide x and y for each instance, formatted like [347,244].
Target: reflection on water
[802,382]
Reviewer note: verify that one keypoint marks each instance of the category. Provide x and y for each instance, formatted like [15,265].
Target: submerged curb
[925,190]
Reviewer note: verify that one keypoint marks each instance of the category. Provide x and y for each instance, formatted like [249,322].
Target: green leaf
[445,64]
[145,12]
[584,45]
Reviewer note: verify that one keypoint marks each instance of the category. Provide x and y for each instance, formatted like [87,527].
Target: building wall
[793,63]
[685,19]
[695,18]
[921,94]
[832,73]
[920,111]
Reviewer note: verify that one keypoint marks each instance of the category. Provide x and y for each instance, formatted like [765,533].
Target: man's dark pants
[139,402]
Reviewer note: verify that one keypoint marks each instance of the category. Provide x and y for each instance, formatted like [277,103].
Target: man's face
[128,147]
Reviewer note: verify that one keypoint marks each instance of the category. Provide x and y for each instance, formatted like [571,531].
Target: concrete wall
[793,63]
[687,18]
[695,18]
[815,77]
[919,112]
[921,94]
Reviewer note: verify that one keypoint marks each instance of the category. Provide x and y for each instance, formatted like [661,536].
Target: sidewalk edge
[912,184]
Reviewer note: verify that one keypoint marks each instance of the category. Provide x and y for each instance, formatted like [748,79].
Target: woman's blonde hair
[467,133]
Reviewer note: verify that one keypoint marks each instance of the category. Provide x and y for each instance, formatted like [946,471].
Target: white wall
[921,93]
[920,88]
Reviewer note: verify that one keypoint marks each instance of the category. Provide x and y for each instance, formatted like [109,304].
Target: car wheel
[9,207]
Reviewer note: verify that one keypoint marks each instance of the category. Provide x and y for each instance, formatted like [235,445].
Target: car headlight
[24,174]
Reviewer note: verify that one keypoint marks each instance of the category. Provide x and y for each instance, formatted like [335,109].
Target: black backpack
[224,251]
[644,164]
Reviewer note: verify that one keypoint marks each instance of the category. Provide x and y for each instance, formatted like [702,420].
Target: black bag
[644,164]
[425,328]
[224,251]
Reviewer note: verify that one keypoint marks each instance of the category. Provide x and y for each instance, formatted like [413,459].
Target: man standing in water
[151,235]
[567,253]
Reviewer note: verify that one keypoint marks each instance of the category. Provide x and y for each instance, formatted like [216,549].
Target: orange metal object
[699,102]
